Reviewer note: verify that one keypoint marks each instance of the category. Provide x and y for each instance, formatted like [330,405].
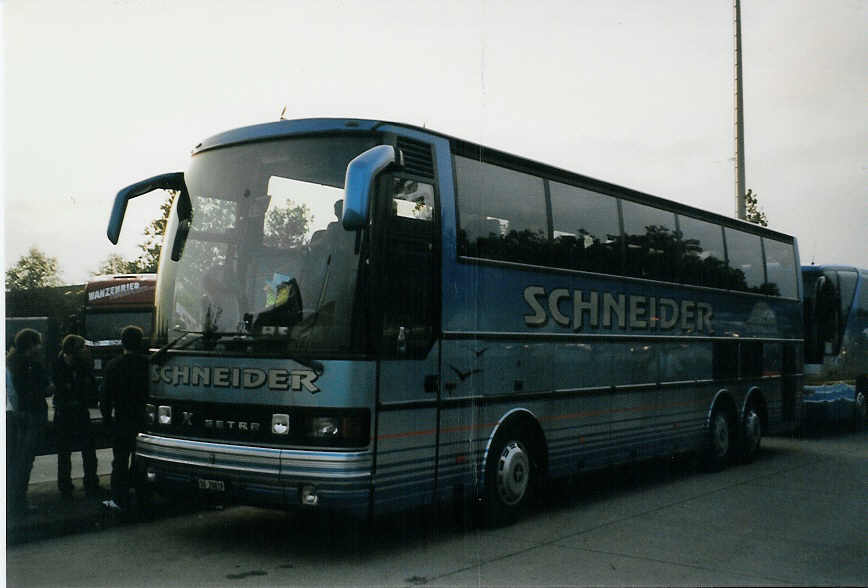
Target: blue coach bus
[363,316]
[836,344]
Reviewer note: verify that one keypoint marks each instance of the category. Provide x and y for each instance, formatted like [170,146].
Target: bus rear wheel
[718,448]
[510,477]
[751,433]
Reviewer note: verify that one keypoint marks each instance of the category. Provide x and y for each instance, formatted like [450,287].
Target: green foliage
[286,227]
[753,211]
[115,264]
[150,257]
[147,261]
[34,270]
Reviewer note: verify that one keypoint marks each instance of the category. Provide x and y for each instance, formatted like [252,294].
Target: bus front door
[408,372]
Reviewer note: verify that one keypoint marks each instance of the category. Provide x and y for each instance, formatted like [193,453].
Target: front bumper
[261,476]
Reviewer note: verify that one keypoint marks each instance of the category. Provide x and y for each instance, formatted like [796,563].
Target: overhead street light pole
[740,211]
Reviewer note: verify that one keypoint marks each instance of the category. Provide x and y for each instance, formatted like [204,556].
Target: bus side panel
[406,433]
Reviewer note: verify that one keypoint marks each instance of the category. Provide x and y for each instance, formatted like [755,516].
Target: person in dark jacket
[124,394]
[29,414]
[74,385]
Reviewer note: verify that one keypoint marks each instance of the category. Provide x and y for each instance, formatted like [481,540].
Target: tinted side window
[745,259]
[585,229]
[703,260]
[780,268]
[501,212]
[652,242]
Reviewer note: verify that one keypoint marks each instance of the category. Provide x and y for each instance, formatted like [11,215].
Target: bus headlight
[150,414]
[325,427]
[338,428]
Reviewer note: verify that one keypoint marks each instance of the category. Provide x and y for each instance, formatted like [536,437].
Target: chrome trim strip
[190,445]
[278,462]
[615,336]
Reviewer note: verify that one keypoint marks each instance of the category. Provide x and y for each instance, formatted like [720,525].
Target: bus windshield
[107,326]
[266,257]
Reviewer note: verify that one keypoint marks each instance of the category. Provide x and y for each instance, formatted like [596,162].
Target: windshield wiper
[159,356]
[212,337]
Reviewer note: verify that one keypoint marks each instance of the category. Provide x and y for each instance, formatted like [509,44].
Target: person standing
[75,384]
[11,434]
[124,394]
[31,384]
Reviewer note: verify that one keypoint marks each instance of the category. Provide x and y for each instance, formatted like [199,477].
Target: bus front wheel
[510,477]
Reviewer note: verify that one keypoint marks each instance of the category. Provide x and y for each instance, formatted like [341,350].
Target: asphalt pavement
[55,515]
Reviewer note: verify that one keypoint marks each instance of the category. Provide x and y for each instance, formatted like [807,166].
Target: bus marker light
[151,475]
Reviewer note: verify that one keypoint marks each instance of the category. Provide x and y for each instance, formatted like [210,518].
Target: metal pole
[740,211]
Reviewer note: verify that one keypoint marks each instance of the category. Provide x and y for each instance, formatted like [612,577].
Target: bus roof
[289,128]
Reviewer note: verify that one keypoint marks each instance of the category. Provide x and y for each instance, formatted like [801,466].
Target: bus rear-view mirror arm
[169,181]
[359,183]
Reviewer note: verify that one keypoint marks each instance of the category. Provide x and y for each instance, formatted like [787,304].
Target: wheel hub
[513,473]
[752,429]
[720,435]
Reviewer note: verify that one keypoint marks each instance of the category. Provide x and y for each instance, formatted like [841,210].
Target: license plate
[212,485]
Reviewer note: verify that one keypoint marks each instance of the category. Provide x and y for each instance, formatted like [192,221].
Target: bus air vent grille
[417,157]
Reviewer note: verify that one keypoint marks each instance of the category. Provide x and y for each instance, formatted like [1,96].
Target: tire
[510,477]
[751,433]
[719,443]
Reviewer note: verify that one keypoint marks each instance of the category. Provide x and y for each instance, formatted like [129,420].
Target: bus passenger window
[586,229]
[780,268]
[651,242]
[745,260]
[501,212]
[703,261]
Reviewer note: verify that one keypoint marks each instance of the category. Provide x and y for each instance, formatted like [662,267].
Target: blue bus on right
[836,345]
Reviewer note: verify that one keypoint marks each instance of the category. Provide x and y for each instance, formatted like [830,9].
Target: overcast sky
[101,93]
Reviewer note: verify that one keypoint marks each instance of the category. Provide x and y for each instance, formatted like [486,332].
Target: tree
[147,261]
[34,270]
[286,227]
[115,264]
[753,211]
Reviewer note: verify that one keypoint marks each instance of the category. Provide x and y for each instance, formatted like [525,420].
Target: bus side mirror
[358,186]
[170,181]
